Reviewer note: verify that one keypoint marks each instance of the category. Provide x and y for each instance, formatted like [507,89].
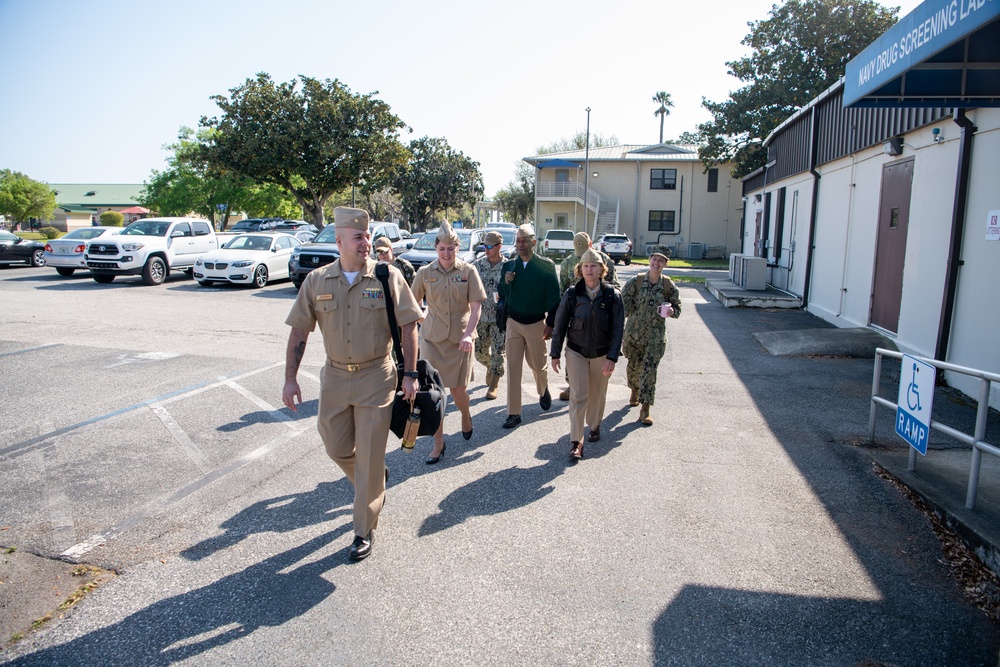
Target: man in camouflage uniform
[645,330]
[489,339]
[383,251]
[567,277]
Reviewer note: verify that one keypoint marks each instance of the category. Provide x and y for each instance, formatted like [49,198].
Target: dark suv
[323,250]
[256,225]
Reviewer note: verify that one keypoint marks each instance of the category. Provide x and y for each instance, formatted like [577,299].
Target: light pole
[586,178]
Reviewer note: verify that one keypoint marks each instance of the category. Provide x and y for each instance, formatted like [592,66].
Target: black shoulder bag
[431,398]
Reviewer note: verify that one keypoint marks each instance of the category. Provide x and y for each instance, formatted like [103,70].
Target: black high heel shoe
[431,460]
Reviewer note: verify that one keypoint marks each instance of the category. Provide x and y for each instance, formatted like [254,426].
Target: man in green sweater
[530,286]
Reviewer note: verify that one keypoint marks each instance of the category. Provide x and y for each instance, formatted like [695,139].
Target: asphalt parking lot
[142,433]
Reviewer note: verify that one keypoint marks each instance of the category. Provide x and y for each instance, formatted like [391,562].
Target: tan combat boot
[634,398]
[644,415]
[492,380]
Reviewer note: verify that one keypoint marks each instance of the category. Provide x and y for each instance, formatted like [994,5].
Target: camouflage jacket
[644,326]
[490,275]
[567,271]
[406,269]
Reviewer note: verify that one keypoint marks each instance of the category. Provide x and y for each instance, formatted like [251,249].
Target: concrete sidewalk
[747,526]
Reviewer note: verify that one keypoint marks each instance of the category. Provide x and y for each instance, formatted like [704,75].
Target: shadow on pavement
[177,628]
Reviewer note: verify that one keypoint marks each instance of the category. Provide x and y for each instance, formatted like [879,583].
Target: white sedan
[249,259]
[65,253]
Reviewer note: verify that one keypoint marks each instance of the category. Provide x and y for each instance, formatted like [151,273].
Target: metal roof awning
[945,53]
[558,164]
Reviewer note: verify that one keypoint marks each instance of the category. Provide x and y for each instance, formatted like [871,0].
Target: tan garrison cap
[526,230]
[580,243]
[493,238]
[591,257]
[350,218]
[382,244]
[660,250]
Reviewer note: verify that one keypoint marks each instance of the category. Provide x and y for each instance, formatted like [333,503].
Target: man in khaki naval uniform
[346,300]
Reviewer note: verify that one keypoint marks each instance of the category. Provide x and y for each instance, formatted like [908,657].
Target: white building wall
[843,266]
[974,339]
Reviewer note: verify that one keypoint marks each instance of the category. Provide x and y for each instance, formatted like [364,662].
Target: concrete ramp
[857,342]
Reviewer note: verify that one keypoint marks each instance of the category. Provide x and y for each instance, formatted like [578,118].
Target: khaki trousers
[354,414]
[588,393]
[524,343]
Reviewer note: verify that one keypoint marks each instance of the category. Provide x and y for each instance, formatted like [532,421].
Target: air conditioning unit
[748,272]
[696,250]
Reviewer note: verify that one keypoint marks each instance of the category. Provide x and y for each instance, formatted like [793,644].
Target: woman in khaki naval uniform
[591,319]
[454,294]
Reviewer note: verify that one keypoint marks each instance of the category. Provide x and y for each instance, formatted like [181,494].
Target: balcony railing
[567,190]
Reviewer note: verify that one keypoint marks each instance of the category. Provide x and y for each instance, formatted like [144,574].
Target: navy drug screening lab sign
[923,33]
[913,405]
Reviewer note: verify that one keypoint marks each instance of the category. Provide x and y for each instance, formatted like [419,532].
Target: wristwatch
[411,374]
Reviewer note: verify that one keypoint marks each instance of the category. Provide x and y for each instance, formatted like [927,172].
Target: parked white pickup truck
[150,248]
[558,243]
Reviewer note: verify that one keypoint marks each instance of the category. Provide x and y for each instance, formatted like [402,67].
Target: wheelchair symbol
[912,394]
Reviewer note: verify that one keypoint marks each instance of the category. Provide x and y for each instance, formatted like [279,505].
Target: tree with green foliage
[577,143]
[437,178]
[516,200]
[662,98]
[799,51]
[311,137]
[687,139]
[22,198]
[192,184]
[111,219]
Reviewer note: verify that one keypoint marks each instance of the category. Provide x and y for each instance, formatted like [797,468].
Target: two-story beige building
[654,194]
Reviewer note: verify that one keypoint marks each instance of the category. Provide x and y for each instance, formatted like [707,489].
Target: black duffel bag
[432,397]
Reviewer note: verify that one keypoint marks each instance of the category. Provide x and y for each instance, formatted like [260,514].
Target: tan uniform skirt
[454,365]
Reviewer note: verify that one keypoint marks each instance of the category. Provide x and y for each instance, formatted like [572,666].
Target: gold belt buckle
[353,368]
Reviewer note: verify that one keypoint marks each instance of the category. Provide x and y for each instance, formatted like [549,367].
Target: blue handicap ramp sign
[913,406]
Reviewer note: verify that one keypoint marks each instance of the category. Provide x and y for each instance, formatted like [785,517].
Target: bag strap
[382,273]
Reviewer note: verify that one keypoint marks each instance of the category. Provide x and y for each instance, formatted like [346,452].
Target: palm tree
[663,99]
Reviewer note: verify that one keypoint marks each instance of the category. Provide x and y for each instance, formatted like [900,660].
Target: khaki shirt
[352,318]
[448,295]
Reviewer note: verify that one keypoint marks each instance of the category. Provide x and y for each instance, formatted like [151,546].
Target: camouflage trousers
[490,344]
[641,371]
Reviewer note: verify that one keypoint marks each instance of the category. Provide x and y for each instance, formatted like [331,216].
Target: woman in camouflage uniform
[645,330]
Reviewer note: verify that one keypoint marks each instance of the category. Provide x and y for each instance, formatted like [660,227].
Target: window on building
[662,179]
[662,221]
[562,220]
[713,180]
[562,175]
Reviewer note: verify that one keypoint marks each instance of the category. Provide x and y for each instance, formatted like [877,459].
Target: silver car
[65,253]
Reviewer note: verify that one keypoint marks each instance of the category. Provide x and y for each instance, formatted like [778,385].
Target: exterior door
[756,234]
[890,248]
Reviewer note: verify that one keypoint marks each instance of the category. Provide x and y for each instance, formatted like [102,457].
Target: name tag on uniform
[430,280]
[372,293]
[324,297]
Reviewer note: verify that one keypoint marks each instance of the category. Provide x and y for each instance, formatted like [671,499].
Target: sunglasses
[490,247]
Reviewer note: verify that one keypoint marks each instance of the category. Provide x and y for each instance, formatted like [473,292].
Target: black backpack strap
[382,273]
[608,294]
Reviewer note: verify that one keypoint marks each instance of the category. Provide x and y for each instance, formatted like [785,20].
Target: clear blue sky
[93,90]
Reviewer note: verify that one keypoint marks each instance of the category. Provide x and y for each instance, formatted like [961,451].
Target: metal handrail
[568,190]
[976,440]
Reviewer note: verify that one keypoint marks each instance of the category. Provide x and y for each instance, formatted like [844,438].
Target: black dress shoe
[467,434]
[595,435]
[512,421]
[546,400]
[362,547]
[431,460]
[577,452]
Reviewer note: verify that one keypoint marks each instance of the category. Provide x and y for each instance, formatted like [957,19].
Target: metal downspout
[957,228]
[811,247]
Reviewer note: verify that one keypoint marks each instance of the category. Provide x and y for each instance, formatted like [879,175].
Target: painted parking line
[180,436]
[26,446]
[78,551]
[274,412]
